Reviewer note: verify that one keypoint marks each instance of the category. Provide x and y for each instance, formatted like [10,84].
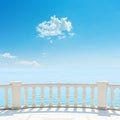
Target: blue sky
[84,36]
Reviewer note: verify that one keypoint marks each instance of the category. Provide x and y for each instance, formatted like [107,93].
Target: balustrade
[38,90]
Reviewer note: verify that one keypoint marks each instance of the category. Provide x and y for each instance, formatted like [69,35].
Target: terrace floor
[59,114]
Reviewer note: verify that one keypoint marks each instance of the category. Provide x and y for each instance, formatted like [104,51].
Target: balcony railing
[101,95]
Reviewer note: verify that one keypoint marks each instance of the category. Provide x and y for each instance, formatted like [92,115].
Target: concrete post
[102,94]
[16,95]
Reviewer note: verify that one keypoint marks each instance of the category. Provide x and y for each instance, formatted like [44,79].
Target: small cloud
[29,63]
[61,37]
[55,27]
[51,41]
[71,34]
[7,55]
[44,54]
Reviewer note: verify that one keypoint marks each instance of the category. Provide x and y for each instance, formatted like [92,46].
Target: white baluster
[112,98]
[75,96]
[119,99]
[59,95]
[6,97]
[26,96]
[50,102]
[92,97]
[42,96]
[83,97]
[67,96]
[34,96]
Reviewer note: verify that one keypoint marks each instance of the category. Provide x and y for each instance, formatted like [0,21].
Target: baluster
[59,95]
[6,97]
[26,96]
[119,99]
[75,96]
[42,96]
[50,102]
[34,97]
[67,96]
[83,97]
[112,98]
[92,97]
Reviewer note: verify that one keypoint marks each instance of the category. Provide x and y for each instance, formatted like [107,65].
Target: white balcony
[59,101]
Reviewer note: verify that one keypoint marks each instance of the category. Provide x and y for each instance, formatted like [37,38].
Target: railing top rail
[4,86]
[114,86]
[60,84]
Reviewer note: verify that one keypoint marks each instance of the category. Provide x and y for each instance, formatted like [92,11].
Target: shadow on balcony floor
[60,110]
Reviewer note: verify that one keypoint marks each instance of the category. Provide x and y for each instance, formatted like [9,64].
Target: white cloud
[51,41]
[72,34]
[55,27]
[44,54]
[7,55]
[29,63]
[61,37]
